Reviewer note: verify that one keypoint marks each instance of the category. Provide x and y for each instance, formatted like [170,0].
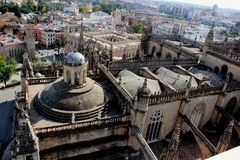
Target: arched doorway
[158,54]
[153,50]
[224,70]
[154,127]
[68,77]
[84,76]
[76,76]
[230,76]
[216,70]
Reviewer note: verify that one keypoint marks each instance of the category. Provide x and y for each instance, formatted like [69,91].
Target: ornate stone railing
[20,97]
[158,98]
[72,126]
[45,80]
[164,37]
[131,64]
[230,50]
[115,84]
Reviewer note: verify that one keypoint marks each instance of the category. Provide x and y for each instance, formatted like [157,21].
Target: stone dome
[58,101]
[73,98]
[75,58]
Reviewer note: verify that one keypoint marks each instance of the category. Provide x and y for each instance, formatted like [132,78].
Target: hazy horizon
[233,4]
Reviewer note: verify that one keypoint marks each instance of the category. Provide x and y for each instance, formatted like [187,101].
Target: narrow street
[7,108]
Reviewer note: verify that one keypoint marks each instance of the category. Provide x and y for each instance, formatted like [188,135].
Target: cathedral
[101,108]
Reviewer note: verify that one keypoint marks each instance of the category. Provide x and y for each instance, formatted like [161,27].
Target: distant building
[215,10]
[162,28]
[11,46]
[69,10]
[178,29]
[46,35]
[191,13]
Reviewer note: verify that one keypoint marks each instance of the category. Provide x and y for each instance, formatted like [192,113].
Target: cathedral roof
[133,82]
[178,81]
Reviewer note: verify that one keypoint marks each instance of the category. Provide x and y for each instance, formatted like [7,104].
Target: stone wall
[170,111]
[56,141]
[214,61]
[209,104]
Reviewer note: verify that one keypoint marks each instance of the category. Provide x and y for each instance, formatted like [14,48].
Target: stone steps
[62,116]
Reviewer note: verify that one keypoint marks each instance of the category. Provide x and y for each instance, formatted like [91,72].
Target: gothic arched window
[197,114]
[154,126]
[230,107]
[168,56]
[224,70]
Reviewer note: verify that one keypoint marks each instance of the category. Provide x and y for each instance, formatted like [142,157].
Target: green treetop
[7,69]
[138,27]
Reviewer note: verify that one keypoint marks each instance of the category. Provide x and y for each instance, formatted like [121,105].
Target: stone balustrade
[158,98]
[72,126]
[20,97]
[45,80]
[228,50]
[135,63]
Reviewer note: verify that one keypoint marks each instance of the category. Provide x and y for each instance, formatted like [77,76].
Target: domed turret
[75,69]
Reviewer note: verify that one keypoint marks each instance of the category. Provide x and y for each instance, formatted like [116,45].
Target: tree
[83,9]
[224,33]
[97,8]
[237,25]
[138,27]
[42,7]
[6,69]
[60,42]
[40,66]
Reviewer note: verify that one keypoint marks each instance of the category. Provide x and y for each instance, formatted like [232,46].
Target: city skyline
[233,4]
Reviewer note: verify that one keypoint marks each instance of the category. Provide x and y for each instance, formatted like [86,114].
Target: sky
[234,4]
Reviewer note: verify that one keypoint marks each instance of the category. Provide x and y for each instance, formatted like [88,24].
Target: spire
[189,82]
[27,66]
[80,41]
[120,80]
[195,40]
[171,152]
[111,52]
[124,57]
[210,36]
[144,91]
[179,49]
[188,88]
[225,138]
[54,65]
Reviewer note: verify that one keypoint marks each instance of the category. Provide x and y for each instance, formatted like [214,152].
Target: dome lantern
[75,69]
